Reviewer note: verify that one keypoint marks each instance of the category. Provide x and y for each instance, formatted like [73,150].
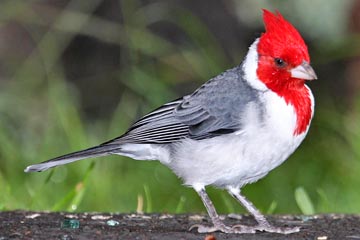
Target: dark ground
[41,225]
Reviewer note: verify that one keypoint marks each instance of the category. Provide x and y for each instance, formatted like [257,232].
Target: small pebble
[306,218]
[138,216]
[196,217]
[322,238]
[100,217]
[65,237]
[112,223]
[166,216]
[70,223]
[32,216]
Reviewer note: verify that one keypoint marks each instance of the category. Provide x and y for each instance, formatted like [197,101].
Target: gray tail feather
[98,151]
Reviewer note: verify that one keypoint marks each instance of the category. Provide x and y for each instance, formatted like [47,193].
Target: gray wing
[212,110]
[218,105]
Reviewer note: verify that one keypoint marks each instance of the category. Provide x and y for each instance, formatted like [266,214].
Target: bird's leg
[260,218]
[263,224]
[218,225]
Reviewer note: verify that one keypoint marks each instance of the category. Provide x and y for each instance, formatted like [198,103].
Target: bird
[232,130]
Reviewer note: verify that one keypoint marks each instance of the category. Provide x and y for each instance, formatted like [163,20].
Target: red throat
[302,103]
[298,96]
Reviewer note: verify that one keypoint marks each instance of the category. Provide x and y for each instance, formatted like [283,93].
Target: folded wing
[212,110]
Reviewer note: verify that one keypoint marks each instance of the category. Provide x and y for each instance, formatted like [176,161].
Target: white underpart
[234,160]
[244,157]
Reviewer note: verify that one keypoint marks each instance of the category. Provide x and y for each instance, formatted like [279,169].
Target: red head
[282,40]
[284,64]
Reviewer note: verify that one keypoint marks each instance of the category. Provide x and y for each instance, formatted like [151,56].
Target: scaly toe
[240,229]
[282,230]
[266,228]
[209,229]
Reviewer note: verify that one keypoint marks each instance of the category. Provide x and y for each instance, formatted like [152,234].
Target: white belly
[242,157]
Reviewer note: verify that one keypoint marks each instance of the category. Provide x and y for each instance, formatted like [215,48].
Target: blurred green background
[76,73]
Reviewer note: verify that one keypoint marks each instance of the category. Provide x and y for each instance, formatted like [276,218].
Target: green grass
[41,117]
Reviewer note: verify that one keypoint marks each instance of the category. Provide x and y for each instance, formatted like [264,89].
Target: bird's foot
[222,228]
[209,229]
[239,229]
[268,228]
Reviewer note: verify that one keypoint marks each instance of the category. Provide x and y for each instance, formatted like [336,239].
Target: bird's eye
[279,62]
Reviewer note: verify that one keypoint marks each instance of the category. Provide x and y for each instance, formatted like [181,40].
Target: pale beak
[303,71]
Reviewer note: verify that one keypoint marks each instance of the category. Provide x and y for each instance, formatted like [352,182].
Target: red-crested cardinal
[232,130]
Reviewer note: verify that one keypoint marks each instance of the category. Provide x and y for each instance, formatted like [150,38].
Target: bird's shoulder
[218,104]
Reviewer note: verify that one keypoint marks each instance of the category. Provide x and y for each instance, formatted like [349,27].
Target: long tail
[98,151]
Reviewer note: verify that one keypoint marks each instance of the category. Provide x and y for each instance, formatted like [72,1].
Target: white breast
[242,157]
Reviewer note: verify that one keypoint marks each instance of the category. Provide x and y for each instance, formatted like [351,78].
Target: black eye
[279,62]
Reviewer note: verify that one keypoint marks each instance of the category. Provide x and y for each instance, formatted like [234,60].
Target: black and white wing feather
[158,127]
[212,110]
